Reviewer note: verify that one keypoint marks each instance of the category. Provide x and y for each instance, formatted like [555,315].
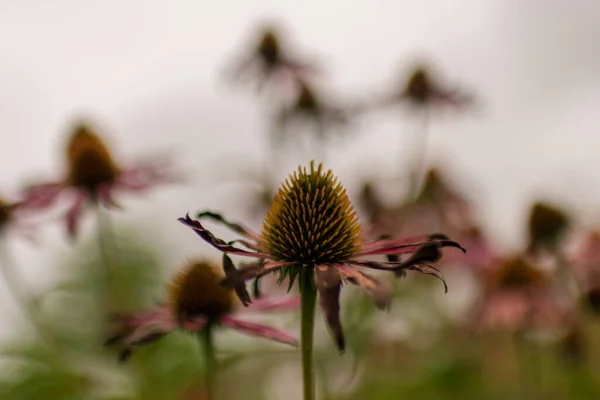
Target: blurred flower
[312,224]
[547,226]
[438,207]
[423,89]
[269,60]
[94,176]
[585,261]
[197,301]
[309,106]
[519,295]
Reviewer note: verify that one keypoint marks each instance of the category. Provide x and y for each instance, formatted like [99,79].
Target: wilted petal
[42,195]
[254,329]
[216,242]
[231,225]
[379,291]
[235,279]
[275,304]
[328,283]
[75,211]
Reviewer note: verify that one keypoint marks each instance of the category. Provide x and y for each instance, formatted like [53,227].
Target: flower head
[547,226]
[519,295]
[310,106]
[269,59]
[93,175]
[422,89]
[196,301]
[312,225]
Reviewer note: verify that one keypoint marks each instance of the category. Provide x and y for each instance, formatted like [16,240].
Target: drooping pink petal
[148,173]
[195,324]
[329,283]
[238,228]
[254,329]
[41,196]
[216,242]
[287,303]
[380,291]
[75,211]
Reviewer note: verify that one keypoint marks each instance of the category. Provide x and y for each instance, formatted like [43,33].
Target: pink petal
[270,304]
[253,329]
[74,212]
[41,196]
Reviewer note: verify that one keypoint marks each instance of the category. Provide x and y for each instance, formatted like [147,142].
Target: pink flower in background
[94,176]
[270,61]
[518,295]
[197,301]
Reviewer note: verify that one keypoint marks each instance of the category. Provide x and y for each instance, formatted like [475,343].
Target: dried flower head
[310,106]
[94,175]
[90,162]
[547,226]
[423,89]
[519,295]
[270,60]
[516,273]
[311,226]
[197,301]
[195,291]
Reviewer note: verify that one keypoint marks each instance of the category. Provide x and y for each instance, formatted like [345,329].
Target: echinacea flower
[269,60]
[423,90]
[309,106]
[196,302]
[93,176]
[519,295]
[312,232]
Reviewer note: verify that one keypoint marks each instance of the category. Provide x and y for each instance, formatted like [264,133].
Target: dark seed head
[547,224]
[311,220]
[518,273]
[269,48]
[195,291]
[418,87]
[90,162]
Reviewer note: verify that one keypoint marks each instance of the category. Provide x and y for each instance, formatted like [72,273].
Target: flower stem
[308,297]
[18,292]
[206,341]
[105,247]
[420,152]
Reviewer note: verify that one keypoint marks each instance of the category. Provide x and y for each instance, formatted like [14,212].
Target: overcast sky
[149,71]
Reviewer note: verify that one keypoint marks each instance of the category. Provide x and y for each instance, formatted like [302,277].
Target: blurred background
[477,119]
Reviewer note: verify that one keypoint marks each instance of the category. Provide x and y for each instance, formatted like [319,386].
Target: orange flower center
[196,291]
[90,163]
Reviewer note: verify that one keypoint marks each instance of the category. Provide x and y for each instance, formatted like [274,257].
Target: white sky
[149,70]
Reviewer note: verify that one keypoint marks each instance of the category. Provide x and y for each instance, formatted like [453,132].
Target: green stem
[420,152]
[105,245]
[206,341]
[308,300]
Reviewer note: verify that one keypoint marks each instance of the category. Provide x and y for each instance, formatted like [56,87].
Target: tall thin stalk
[308,300]
[207,344]
[421,138]
[106,245]
[17,291]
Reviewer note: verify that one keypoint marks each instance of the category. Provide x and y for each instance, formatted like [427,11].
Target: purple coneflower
[93,176]
[311,232]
